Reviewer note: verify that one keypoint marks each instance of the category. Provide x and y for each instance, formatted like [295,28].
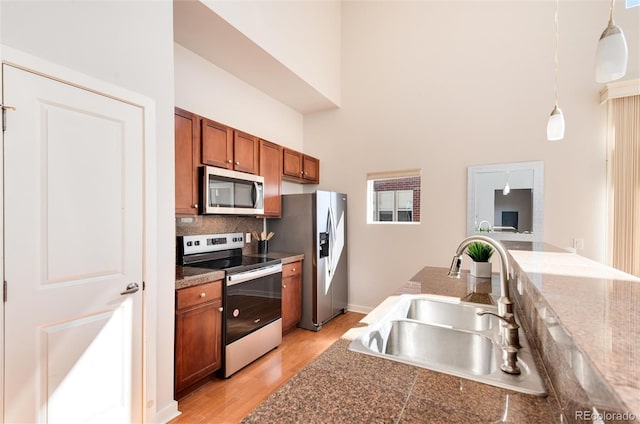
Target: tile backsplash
[216,224]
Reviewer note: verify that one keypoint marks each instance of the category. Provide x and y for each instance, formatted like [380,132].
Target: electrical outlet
[247,238]
[578,244]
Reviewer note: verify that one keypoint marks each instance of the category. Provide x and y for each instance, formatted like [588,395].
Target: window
[394,196]
[632,3]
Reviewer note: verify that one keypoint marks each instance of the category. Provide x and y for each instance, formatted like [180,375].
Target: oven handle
[241,277]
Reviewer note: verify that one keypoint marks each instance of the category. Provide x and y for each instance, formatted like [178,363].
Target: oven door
[253,299]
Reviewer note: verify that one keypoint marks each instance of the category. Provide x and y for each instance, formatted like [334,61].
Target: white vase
[481,269]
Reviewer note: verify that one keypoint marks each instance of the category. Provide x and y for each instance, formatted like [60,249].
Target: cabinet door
[310,169]
[217,144]
[245,152]
[270,169]
[187,158]
[198,343]
[291,295]
[291,163]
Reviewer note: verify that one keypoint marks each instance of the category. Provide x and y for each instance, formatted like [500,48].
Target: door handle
[131,288]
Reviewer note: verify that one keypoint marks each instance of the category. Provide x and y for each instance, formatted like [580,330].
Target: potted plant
[480,253]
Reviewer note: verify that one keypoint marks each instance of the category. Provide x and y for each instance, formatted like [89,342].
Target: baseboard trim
[166,414]
[359,308]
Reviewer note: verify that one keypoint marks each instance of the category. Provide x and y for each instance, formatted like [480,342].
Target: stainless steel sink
[444,313]
[474,352]
[442,334]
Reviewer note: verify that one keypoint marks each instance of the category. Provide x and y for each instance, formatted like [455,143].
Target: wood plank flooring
[230,400]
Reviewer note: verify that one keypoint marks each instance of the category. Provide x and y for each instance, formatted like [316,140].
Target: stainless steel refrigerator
[316,224]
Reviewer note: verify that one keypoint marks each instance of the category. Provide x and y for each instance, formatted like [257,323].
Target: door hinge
[4,292]
[144,285]
[4,115]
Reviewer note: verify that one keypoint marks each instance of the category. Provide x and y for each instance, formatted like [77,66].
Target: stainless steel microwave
[231,192]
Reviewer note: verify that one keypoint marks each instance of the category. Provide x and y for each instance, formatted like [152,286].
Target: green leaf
[479,251]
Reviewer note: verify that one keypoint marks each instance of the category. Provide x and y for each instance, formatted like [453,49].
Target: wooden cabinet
[270,169]
[291,295]
[227,148]
[245,152]
[217,144]
[187,159]
[299,167]
[198,335]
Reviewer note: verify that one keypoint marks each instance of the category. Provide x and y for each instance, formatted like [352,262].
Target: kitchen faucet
[508,325]
[479,229]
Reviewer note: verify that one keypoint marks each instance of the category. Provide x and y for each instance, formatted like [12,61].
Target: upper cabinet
[187,159]
[299,167]
[217,144]
[225,147]
[270,169]
[201,141]
[245,152]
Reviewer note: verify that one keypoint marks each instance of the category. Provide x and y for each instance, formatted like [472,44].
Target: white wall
[445,85]
[302,35]
[205,89]
[129,44]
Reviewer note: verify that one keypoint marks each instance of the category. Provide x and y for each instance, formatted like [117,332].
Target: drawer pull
[284,286]
[221,309]
[203,294]
[293,269]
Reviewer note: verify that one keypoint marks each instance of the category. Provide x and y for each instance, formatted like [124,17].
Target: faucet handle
[511,337]
[510,342]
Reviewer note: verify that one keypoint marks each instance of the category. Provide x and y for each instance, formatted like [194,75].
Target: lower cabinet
[198,335]
[291,295]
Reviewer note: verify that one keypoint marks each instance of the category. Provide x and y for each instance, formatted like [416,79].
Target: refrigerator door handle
[330,243]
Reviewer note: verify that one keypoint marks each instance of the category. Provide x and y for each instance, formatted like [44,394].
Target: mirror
[504,201]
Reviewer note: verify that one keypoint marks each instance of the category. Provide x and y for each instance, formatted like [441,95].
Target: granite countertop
[187,276]
[344,386]
[586,317]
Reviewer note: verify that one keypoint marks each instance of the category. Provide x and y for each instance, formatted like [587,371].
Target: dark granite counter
[341,386]
[187,276]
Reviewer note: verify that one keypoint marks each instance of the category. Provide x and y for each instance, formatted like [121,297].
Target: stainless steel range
[252,295]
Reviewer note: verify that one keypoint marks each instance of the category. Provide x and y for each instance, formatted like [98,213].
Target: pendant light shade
[612,54]
[555,125]
[506,189]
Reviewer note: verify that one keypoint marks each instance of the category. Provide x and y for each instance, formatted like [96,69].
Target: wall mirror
[504,201]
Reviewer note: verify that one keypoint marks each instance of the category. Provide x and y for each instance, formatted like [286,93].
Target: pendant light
[612,55]
[555,125]
[506,190]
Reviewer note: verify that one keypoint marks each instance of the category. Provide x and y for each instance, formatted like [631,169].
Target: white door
[73,197]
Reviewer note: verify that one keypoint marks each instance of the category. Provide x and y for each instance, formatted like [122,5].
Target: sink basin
[445,335]
[456,315]
[406,339]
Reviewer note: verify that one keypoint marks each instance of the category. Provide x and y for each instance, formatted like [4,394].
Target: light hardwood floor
[230,400]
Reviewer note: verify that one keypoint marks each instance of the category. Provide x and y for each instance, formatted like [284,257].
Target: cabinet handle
[284,286]
[195,206]
[203,294]
[229,161]
[237,163]
[301,173]
[293,269]
[221,309]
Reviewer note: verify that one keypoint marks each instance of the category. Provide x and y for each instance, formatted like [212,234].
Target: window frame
[373,196]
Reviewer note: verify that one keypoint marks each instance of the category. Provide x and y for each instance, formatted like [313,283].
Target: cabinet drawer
[198,294]
[292,269]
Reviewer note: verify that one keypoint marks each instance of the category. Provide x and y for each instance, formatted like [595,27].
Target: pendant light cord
[611,10]
[556,56]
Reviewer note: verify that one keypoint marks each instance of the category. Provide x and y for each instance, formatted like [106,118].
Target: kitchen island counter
[344,386]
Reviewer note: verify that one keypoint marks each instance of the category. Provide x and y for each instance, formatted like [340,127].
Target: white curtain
[624,183]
